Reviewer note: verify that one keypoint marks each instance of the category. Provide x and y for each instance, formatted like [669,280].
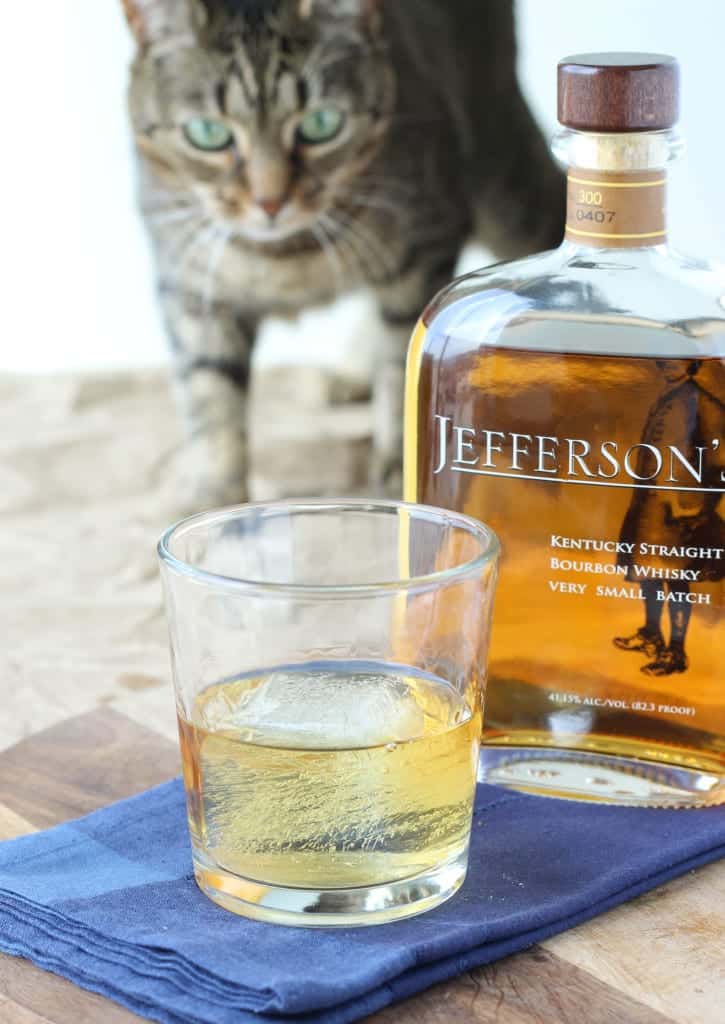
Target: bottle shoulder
[634,301]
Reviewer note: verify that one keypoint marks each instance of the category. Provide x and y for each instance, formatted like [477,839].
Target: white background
[77,288]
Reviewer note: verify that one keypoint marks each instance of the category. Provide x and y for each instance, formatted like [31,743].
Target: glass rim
[490,548]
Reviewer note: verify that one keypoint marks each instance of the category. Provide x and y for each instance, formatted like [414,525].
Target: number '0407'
[599,216]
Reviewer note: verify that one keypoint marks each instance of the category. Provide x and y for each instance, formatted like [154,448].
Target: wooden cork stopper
[618,92]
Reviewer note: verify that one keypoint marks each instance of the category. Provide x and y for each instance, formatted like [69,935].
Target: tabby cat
[291,150]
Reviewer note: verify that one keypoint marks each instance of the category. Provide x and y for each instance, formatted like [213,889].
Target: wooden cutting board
[657,960]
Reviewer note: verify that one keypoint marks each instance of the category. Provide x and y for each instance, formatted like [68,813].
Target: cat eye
[207,134]
[320,125]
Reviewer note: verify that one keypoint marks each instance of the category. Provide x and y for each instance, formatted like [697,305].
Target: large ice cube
[319,709]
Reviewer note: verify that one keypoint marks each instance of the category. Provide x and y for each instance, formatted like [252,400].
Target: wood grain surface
[87,717]
[657,960]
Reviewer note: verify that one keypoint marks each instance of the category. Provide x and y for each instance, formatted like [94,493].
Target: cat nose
[271,206]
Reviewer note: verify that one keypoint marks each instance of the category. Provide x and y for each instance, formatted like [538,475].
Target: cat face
[268,111]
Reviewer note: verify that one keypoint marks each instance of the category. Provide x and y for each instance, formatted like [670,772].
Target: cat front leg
[401,303]
[212,348]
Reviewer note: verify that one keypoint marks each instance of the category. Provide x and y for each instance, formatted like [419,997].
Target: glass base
[329,908]
[599,778]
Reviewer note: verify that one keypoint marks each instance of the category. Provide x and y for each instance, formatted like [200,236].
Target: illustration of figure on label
[673,529]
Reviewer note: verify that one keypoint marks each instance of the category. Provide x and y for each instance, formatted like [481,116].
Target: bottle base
[329,908]
[599,778]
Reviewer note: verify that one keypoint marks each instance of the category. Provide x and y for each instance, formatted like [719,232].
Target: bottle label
[604,477]
[616,209]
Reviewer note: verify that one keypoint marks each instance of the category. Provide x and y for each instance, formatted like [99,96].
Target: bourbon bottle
[575,401]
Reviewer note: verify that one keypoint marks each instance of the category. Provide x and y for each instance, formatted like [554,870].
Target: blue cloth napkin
[110,902]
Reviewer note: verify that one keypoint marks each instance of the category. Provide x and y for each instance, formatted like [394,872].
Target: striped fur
[436,141]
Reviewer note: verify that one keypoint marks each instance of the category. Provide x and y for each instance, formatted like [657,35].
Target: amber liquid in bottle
[584,562]
[575,402]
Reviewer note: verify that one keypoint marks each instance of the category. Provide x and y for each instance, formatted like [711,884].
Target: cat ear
[153,20]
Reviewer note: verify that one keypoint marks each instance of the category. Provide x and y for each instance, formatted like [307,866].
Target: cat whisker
[360,258]
[371,244]
[374,201]
[168,201]
[157,198]
[171,216]
[348,253]
[369,255]
[339,231]
[331,255]
[206,234]
[187,234]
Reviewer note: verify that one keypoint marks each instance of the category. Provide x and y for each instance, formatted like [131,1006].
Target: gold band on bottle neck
[616,209]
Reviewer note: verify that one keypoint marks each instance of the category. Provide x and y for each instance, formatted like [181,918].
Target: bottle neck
[615,210]
[616,187]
